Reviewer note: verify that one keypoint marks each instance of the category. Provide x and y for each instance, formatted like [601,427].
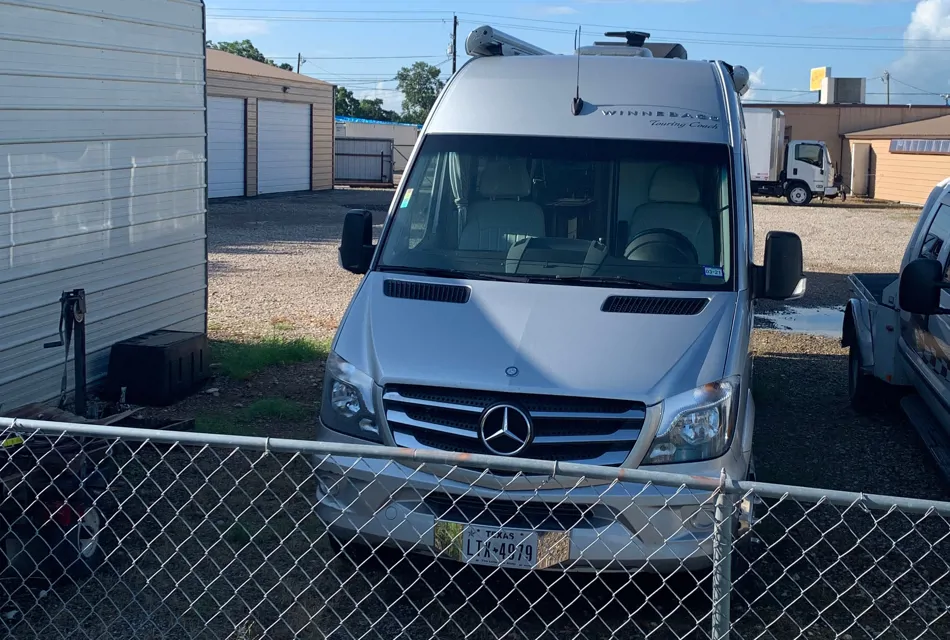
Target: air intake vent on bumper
[655,306]
[426,291]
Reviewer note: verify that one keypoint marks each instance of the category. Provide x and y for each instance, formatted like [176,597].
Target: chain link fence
[120,533]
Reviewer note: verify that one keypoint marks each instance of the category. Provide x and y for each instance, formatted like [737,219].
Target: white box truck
[799,170]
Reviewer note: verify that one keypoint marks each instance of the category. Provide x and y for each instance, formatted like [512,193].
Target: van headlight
[696,425]
[347,404]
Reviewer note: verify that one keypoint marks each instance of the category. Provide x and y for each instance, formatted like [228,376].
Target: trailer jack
[72,329]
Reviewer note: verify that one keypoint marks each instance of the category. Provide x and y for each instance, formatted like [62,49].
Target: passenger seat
[501,218]
[673,204]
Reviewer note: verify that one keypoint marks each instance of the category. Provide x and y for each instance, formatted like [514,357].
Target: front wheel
[798,195]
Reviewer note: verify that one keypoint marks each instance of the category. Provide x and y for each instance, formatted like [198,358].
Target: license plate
[502,547]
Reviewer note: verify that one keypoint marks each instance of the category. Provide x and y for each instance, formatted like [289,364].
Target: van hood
[557,337]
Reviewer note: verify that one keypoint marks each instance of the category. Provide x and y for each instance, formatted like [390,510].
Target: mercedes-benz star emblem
[505,430]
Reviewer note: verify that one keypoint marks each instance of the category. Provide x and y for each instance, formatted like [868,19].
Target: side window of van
[417,202]
[937,234]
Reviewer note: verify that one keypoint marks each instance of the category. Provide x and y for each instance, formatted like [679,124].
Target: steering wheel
[661,245]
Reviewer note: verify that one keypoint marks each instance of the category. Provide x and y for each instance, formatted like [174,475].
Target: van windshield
[566,210]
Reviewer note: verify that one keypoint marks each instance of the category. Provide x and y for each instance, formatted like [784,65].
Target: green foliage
[370,108]
[420,85]
[241,360]
[246,421]
[246,49]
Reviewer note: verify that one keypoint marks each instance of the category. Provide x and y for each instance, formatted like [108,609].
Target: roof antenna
[577,104]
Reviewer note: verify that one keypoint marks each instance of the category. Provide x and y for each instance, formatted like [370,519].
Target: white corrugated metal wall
[404,137]
[102,167]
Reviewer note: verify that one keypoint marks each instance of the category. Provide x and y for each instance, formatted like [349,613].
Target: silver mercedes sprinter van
[565,274]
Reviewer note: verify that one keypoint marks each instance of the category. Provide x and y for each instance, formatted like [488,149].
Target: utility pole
[299,61]
[887,86]
[455,33]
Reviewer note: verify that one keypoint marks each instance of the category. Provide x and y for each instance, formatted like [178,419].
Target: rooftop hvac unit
[843,90]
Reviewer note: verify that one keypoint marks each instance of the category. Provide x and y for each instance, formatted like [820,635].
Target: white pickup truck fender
[856,330]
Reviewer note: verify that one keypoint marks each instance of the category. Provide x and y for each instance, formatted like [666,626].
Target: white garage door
[225,147]
[283,147]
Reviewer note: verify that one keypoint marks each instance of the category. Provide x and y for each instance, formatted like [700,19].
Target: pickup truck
[897,326]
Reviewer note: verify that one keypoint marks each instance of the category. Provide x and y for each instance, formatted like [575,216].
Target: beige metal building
[901,162]
[269,130]
[831,123]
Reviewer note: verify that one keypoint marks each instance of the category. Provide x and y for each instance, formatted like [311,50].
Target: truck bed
[872,285]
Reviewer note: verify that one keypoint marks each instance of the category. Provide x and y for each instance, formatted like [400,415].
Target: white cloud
[558,10]
[926,63]
[227,28]
[756,80]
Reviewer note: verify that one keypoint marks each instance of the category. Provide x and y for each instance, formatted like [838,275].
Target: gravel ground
[273,261]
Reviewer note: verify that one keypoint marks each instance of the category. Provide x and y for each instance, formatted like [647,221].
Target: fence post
[722,565]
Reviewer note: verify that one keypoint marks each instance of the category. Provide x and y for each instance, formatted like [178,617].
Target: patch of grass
[242,422]
[280,408]
[281,323]
[242,360]
[223,423]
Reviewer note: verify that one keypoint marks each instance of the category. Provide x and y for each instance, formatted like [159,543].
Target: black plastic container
[159,368]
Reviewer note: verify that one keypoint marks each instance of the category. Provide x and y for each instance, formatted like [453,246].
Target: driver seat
[674,203]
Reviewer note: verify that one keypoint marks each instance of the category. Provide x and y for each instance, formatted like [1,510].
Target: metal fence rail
[124,533]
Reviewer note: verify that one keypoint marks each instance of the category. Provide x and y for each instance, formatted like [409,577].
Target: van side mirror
[782,275]
[356,246]
[920,285]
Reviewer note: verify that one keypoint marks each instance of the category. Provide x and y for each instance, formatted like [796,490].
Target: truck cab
[809,172]
[565,274]
[897,326]
[798,170]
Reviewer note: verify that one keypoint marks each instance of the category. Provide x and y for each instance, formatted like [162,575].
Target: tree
[346,104]
[246,49]
[420,86]
[370,108]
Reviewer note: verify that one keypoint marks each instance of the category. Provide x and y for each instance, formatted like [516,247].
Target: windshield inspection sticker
[713,272]
[405,199]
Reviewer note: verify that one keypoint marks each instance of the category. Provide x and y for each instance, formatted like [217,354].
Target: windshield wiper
[599,280]
[436,272]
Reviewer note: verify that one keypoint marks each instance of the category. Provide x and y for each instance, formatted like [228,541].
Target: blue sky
[362,43]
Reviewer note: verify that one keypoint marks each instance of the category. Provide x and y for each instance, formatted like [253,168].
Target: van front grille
[566,429]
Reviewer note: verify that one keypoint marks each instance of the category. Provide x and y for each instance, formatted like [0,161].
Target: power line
[737,43]
[447,17]
[309,57]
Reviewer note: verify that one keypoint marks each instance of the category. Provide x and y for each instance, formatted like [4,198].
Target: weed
[280,323]
[277,408]
[241,360]
[244,422]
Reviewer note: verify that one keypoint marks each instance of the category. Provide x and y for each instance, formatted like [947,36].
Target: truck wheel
[76,544]
[798,194]
[864,391]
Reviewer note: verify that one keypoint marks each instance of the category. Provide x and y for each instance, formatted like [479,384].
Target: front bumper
[619,526]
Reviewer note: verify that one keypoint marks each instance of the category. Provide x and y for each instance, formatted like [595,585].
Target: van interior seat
[674,203]
[502,217]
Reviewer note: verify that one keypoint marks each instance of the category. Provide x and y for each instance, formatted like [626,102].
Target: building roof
[229,63]
[366,121]
[930,128]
